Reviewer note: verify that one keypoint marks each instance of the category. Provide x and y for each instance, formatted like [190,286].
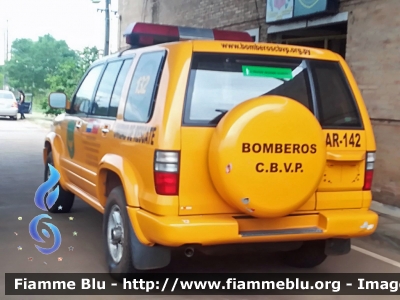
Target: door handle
[346,156]
[78,124]
[105,130]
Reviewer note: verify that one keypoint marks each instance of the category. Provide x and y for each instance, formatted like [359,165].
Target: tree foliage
[68,74]
[33,61]
[1,76]
[47,65]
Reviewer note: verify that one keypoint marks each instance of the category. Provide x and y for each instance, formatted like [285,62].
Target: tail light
[15,104]
[369,171]
[166,173]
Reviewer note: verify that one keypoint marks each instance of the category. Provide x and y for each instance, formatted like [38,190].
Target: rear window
[337,108]
[219,82]
[6,96]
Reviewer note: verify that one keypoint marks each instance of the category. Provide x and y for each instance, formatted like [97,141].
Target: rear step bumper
[207,230]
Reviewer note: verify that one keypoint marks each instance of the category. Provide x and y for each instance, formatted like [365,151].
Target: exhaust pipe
[189,252]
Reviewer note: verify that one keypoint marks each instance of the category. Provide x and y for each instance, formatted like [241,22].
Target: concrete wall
[130,11]
[372,53]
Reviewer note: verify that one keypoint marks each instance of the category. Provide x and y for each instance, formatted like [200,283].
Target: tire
[65,199]
[14,118]
[310,255]
[122,265]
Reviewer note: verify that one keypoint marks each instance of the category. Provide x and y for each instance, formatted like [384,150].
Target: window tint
[84,94]
[337,107]
[219,82]
[106,86]
[144,87]
[116,96]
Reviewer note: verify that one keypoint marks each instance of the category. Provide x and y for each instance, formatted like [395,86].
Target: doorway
[332,37]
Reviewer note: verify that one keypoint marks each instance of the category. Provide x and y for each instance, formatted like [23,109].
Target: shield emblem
[70,138]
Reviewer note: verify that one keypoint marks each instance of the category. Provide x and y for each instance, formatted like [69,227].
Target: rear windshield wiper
[219,117]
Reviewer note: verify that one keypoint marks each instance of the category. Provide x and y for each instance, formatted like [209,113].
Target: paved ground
[22,172]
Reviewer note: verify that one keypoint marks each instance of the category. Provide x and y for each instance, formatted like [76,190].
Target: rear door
[217,83]
[339,116]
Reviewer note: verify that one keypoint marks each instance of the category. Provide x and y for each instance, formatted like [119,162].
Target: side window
[116,96]
[83,96]
[144,86]
[106,86]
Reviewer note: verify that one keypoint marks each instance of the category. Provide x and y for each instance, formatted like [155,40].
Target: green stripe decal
[255,71]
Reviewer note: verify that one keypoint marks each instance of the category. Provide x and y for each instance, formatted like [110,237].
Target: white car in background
[8,105]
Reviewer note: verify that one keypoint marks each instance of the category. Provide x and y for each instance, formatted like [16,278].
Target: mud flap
[148,258]
[336,247]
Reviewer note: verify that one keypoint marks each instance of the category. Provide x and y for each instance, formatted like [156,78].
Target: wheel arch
[53,144]
[48,146]
[114,171]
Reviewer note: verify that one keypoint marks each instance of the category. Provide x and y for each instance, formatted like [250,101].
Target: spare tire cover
[267,156]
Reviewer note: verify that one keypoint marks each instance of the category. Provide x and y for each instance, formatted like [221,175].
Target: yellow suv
[202,139]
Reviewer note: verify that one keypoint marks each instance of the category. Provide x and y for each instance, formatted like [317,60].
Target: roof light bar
[146,34]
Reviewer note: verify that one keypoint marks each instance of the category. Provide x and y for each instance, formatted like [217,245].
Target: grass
[37,107]
[37,103]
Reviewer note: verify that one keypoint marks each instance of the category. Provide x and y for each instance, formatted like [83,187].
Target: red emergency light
[146,34]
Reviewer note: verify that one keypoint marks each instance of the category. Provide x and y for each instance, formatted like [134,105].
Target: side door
[71,157]
[26,107]
[101,118]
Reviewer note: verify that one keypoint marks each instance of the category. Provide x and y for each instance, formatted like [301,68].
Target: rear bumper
[10,112]
[207,230]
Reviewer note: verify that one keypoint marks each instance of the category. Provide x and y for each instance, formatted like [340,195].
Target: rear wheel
[65,199]
[13,118]
[116,235]
[310,255]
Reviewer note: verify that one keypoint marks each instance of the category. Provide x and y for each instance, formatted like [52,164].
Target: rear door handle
[350,156]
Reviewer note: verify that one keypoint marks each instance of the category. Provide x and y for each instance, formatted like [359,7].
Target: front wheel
[310,255]
[65,199]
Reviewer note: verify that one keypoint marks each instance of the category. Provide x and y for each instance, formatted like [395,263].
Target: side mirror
[58,100]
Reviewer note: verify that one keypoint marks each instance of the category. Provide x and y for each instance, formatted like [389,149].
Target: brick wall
[226,14]
[372,53]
